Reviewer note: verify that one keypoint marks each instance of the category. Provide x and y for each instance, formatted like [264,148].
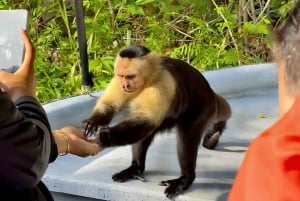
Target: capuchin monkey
[160,93]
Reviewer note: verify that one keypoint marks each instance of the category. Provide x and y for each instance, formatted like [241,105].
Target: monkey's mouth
[129,90]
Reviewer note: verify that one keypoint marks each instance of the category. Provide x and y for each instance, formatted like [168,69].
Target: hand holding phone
[23,81]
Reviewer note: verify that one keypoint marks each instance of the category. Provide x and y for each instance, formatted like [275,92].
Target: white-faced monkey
[160,93]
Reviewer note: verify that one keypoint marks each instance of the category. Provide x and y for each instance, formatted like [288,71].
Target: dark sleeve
[26,142]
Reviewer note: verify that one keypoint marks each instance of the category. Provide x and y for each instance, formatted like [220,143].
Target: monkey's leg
[188,140]
[137,167]
[212,137]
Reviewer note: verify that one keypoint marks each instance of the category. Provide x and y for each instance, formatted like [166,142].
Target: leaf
[144,2]
[260,115]
[251,28]
[230,57]
[135,10]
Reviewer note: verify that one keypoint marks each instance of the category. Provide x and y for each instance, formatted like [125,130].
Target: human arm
[26,143]
[71,140]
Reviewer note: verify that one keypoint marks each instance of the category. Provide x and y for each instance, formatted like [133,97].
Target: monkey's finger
[164,183]
[139,177]
[89,128]
[80,133]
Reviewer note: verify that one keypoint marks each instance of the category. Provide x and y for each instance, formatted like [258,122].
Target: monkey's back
[193,92]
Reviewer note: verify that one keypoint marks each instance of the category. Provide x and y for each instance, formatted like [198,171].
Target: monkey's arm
[108,104]
[147,111]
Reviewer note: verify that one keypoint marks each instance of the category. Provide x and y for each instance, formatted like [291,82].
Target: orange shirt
[270,170]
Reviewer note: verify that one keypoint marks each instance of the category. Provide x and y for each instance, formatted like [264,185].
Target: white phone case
[11,45]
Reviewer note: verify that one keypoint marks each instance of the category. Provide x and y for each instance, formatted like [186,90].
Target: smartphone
[11,44]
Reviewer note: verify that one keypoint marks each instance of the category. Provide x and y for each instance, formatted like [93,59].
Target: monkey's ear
[134,51]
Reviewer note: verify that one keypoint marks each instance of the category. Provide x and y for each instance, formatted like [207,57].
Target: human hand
[23,81]
[78,143]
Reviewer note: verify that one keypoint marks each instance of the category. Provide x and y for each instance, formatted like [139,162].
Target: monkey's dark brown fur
[161,93]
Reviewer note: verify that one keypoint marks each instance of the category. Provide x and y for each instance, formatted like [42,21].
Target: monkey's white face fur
[130,74]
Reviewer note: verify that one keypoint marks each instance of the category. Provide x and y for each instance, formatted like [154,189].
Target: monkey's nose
[125,87]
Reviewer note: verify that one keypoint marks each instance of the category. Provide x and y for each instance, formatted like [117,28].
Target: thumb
[26,69]
[84,148]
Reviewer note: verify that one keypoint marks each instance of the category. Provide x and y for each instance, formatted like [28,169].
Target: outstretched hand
[79,144]
[23,81]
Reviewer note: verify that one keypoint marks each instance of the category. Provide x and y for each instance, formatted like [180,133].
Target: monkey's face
[129,82]
[128,73]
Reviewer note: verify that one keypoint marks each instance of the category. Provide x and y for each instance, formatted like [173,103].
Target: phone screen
[11,44]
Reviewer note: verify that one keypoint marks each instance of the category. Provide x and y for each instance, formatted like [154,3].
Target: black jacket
[26,148]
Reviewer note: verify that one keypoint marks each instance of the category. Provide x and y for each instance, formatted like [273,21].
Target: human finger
[3,74]
[74,131]
[83,148]
[3,88]
[27,65]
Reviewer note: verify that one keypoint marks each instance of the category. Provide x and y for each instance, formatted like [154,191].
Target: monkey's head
[135,66]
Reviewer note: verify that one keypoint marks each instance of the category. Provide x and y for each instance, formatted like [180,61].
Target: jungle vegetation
[209,34]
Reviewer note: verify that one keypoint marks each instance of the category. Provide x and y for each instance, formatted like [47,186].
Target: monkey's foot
[130,173]
[211,140]
[176,186]
[212,137]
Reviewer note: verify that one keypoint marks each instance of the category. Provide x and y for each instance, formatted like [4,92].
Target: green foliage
[210,34]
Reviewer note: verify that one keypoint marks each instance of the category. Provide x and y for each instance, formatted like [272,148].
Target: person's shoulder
[265,140]
[276,140]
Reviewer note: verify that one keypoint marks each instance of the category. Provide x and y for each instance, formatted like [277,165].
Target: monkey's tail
[212,136]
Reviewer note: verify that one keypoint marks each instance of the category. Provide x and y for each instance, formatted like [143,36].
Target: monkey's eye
[130,77]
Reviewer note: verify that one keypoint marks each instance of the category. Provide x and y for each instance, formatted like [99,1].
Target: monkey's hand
[103,137]
[89,128]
